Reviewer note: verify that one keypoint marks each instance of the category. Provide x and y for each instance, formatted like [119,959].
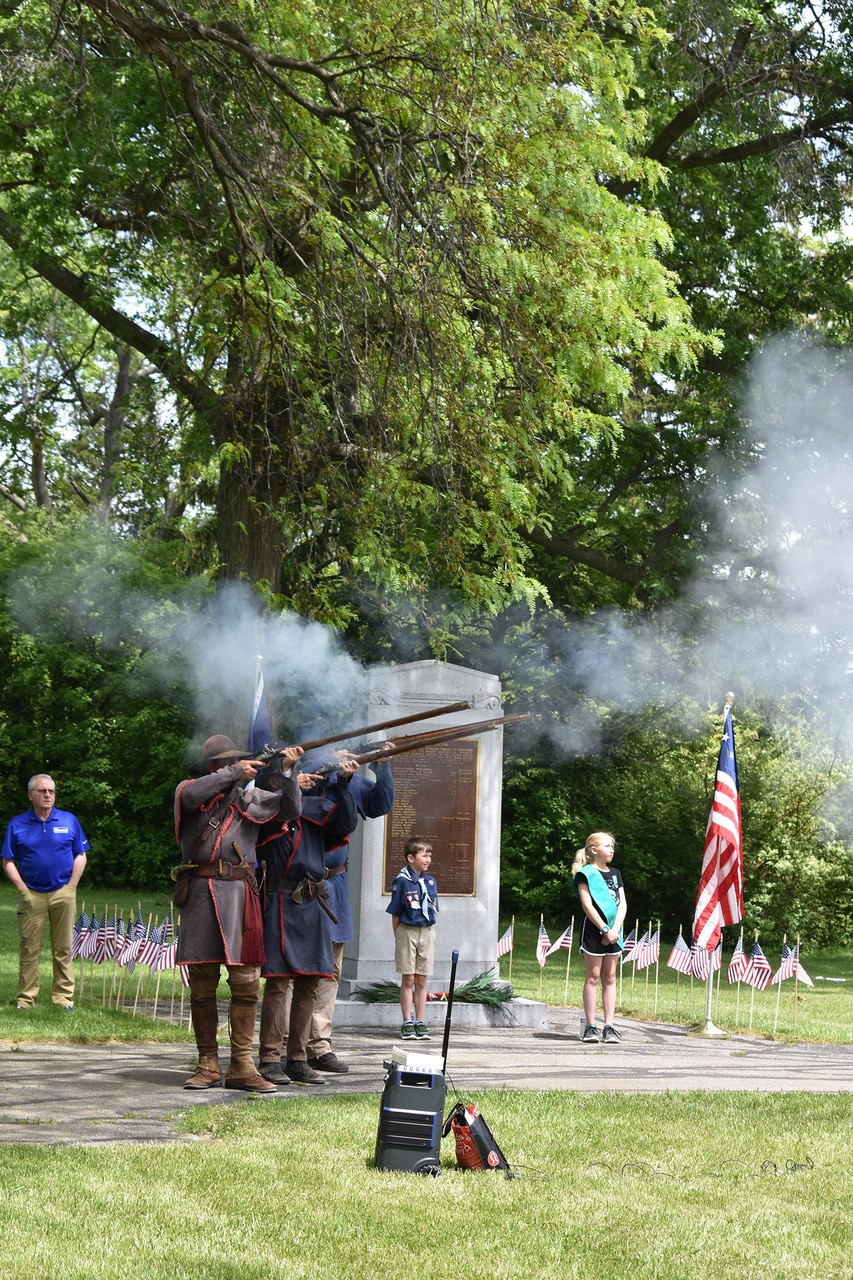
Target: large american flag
[720,898]
[505,942]
[680,958]
[758,972]
[543,944]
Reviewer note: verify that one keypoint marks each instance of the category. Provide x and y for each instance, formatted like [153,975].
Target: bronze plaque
[435,796]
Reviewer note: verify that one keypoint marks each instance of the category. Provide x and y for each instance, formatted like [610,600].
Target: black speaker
[410,1120]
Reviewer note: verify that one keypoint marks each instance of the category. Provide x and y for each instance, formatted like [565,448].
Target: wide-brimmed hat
[221,748]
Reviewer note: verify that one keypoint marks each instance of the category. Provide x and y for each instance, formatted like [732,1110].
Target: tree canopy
[370,253]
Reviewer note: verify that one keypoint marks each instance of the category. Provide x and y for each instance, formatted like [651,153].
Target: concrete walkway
[69,1093]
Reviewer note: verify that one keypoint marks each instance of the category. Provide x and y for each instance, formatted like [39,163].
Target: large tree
[372,248]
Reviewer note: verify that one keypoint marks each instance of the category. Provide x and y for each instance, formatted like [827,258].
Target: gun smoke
[768,612]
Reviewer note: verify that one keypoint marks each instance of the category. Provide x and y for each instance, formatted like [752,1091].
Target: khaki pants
[60,907]
[278,1026]
[324,1009]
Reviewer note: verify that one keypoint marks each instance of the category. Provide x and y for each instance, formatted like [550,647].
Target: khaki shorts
[414,949]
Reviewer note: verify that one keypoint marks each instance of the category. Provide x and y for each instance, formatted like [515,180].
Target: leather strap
[220,870]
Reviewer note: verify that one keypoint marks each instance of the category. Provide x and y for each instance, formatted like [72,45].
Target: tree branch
[80,289]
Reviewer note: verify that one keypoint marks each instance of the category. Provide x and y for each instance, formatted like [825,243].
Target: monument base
[515,1013]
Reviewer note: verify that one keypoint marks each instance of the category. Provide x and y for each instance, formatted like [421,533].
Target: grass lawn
[725,1187]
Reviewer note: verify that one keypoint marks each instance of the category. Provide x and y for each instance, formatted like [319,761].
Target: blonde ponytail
[582,857]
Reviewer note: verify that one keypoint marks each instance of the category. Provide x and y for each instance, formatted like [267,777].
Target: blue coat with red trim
[298,935]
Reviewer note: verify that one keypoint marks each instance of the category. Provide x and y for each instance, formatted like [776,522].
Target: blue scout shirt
[44,852]
[414,899]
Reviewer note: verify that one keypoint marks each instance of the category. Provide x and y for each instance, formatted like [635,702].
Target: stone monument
[449,793]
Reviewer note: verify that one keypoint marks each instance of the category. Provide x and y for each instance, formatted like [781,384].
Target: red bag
[476,1147]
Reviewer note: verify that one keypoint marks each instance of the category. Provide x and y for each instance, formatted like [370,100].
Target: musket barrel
[387,724]
[417,740]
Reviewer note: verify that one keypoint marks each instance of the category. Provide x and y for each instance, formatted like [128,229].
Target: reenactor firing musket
[269,752]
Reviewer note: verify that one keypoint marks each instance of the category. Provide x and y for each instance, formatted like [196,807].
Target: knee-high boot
[205,1020]
[242,1072]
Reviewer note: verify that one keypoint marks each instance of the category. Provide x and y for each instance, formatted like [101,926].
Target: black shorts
[591,944]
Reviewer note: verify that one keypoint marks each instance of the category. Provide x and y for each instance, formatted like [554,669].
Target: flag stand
[707,1028]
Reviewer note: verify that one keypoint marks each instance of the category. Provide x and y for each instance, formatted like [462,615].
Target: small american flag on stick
[680,958]
[758,972]
[543,944]
[737,964]
[564,942]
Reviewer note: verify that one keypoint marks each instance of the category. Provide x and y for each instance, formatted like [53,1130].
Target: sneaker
[590,1034]
[610,1035]
[328,1062]
[301,1073]
[272,1072]
[422,1031]
[407,1031]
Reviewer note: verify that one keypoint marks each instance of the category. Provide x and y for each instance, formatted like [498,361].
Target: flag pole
[633,958]
[708,1028]
[646,987]
[657,973]
[512,948]
[778,991]
[541,965]
[796,979]
[752,988]
[569,960]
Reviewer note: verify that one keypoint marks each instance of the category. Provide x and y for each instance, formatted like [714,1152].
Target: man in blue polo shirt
[44,854]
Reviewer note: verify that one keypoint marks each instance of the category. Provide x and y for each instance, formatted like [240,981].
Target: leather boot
[205,1020]
[242,1072]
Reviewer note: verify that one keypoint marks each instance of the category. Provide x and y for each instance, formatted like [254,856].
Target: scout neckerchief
[426,903]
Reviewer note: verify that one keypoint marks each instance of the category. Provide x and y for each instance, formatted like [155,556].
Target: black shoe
[590,1034]
[301,1073]
[272,1071]
[610,1035]
[328,1062]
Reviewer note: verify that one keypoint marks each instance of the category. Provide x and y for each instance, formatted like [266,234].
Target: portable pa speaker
[410,1120]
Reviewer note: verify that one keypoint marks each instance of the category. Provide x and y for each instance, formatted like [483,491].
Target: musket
[416,741]
[270,751]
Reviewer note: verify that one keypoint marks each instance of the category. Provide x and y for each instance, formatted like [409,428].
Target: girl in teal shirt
[602,895]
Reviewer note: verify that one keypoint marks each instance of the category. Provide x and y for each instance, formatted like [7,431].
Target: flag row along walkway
[106,1093]
[133,966]
[642,954]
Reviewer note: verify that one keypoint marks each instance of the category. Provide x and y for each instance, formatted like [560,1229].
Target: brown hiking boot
[204,1078]
[242,1073]
[255,1083]
[205,1020]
